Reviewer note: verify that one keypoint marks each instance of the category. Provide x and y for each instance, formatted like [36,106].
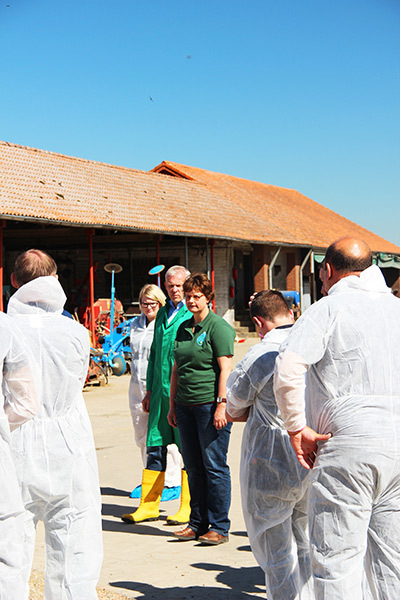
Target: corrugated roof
[45,186]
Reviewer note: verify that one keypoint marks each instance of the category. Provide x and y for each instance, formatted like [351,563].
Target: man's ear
[257,322]
[14,281]
[328,269]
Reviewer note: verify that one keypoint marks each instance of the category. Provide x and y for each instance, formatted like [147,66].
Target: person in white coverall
[20,402]
[151,298]
[349,345]
[273,483]
[54,453]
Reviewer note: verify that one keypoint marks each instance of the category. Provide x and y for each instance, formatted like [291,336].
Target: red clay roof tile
[45,186]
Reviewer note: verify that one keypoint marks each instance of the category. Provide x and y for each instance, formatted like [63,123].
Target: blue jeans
[156,458]
[204,451]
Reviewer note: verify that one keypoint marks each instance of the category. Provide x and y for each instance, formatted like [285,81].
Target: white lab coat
[349,342]
[20,402]
[272,481]
[141,338]
[54,453]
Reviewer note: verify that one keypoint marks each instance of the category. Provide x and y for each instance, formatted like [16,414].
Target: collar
[178,306]
[191,323]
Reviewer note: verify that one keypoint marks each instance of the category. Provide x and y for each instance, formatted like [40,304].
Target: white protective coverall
[272,481]
[20,402]
[141,339]
[349,342]
[54,453]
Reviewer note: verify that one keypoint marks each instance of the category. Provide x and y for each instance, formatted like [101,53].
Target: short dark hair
[33,263]
[345,262]
[199,281]
[269,304]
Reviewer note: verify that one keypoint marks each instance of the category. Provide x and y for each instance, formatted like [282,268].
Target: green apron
[161,361]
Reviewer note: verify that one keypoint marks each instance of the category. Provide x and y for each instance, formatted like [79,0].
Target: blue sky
[300,94]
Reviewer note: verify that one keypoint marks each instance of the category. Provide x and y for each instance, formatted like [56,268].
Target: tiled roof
[45,186]
[286,215]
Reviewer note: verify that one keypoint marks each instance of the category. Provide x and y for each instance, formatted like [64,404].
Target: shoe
[186,534]
[212,538]
[152,487]
[171,493]
[137,492]
[183,514]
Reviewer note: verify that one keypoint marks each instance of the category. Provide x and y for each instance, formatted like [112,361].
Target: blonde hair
[153,292]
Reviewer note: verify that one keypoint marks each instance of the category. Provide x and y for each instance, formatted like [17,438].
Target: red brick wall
[293,270]
[261,270]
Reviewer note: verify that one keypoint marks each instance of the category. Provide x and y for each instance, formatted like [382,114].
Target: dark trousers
[204,451]
[156,458]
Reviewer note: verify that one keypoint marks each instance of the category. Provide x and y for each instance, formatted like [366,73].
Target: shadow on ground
[108,491]
[137,529]
[241,584]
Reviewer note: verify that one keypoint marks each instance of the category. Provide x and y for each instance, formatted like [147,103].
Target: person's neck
[175,304]
[148,321]
[199,317]
[278,322]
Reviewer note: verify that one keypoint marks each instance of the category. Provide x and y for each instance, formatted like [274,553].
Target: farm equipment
[115,351]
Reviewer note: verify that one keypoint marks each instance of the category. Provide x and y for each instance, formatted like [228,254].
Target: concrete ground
[144,561]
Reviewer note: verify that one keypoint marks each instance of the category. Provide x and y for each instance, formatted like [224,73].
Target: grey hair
[175,270]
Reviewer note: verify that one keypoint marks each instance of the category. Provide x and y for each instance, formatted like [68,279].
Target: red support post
[2,224]
[90,234]
[212,272]
[158,261]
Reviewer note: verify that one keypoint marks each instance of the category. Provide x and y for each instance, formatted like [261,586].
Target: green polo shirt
[196,356]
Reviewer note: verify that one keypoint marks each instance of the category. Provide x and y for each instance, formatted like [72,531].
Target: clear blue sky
[301,94]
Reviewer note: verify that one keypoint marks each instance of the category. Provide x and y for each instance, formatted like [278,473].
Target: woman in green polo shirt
[203,355]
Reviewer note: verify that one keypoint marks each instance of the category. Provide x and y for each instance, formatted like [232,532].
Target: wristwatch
[220,399]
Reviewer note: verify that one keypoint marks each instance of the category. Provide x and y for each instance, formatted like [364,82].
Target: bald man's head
[349,255]
[32,264]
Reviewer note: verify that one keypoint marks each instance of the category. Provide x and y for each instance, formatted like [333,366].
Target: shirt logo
[201,338]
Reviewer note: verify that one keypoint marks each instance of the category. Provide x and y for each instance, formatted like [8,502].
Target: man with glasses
[348,344]
[156,402]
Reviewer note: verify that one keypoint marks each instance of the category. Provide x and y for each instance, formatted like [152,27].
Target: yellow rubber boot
[152,487]
[183,514]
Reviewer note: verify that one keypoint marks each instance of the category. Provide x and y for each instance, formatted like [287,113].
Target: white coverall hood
[273,483]
[43,293]
[54,453]
[348,343]
[371,280]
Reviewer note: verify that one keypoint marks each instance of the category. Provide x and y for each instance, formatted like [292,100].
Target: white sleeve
[289,386]
[239,393]
[247,381]
[20,383]
[304,347]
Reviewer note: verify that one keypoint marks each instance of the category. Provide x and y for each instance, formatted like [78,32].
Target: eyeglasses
[193,296]
[149,304]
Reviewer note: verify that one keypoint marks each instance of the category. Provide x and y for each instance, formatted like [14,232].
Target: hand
[252,298]
[241,419]
[220,420]
[305,445]
[146,402]
[172,416]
